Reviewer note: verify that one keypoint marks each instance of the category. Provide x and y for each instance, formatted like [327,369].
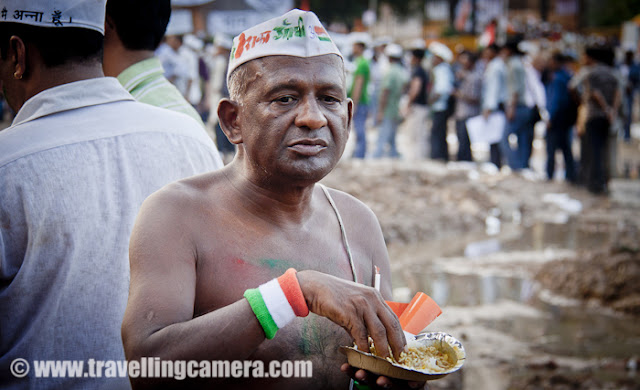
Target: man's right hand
[359,309]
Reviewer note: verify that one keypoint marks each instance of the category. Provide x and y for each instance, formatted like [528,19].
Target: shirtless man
[200,243]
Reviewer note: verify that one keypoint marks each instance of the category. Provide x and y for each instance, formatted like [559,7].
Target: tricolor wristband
[277,302]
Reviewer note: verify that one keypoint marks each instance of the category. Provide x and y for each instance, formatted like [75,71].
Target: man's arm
[382,103]
[358,82]
[159,321]
[436,89]
[490,96]
[442,83]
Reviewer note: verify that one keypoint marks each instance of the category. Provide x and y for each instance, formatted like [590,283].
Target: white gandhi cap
[296,33]
[87,14]
[441,50]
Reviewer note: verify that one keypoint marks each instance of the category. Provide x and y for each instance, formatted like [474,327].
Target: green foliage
[611,12]
[346,11]
[449,31]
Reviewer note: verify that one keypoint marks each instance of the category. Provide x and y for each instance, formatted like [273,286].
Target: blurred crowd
[430,90]
[198,69]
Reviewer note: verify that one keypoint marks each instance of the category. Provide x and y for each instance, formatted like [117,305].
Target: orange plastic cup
[420,312]
[397,307]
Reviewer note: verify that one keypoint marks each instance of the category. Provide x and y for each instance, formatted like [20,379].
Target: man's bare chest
[225,273]
[226,270]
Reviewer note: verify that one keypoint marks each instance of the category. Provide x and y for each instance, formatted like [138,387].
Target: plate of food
[429,356]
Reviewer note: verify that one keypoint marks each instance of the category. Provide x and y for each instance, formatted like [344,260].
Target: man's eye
[285,99]
[330,99]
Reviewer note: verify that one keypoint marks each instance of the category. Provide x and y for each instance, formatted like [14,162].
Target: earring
[17,76]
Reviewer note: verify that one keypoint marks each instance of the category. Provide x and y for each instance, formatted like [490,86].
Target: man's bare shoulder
[352,207]
[359,220]
[172,219]
[364,234]
[189,194]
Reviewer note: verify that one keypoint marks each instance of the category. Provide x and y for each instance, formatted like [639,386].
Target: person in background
[190,83]
[468,96]
[167,53]
[133,31]
[218,62]
[441,89]
[75,165]
[518,114]
[204,82]
[600,92]
[418,110]
[630,71]
[494,92]
[562,117]
[379,64]
[360,95]
[389,117]
[535,63]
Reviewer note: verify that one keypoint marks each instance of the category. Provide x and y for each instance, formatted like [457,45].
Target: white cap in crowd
[222,40]
[360,37]
[382,41]
[89,14]
[441,50]
[296,33]
[192,42]
[418,44]
[393,50]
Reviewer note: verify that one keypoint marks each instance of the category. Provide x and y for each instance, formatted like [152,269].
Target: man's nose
[310,115]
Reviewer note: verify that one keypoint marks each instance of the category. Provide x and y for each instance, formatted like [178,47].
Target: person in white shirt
[441,90]
[218,61]
[494,92]
[535,99]
[75,165]
[517,112]
[189,53]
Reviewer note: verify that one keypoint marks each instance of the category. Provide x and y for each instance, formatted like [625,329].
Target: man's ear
[18,54]
[349,114]
[228,111]
[108,23]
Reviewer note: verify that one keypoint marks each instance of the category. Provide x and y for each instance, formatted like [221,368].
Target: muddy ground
[540,280]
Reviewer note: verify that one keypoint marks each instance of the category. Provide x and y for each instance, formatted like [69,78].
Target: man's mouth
[308,147]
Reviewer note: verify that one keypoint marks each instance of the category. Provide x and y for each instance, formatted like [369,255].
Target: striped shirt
[146,82]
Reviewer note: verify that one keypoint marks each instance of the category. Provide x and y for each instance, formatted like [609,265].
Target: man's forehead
[278,68]
[280,61]
[277,72]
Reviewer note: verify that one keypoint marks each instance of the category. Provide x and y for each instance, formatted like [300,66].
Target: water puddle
[489,283]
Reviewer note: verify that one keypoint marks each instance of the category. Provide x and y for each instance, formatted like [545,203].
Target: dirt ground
[572,255]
